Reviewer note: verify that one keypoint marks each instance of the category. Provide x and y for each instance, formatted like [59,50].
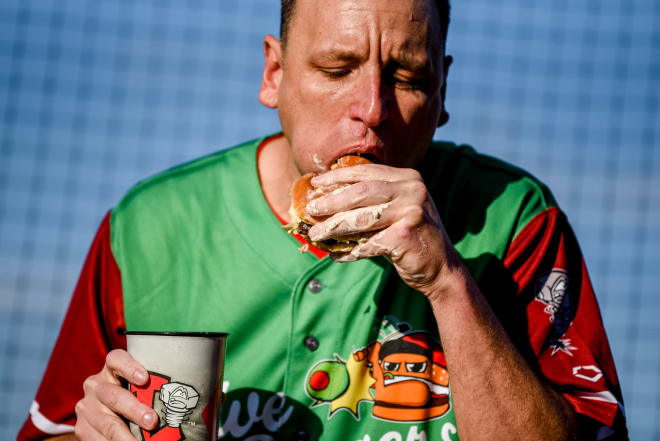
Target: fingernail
[140,376]
[148,418]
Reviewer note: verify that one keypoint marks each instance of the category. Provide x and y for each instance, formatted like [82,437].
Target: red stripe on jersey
[565,328]
[89,332]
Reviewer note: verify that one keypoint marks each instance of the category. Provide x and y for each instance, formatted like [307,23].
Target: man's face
[361,76]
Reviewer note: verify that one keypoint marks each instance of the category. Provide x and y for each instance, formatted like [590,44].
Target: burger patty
[303,228]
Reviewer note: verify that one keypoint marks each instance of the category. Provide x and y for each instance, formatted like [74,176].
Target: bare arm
[492,385]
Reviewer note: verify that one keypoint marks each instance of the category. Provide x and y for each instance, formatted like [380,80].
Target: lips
[372,152]
[370,156]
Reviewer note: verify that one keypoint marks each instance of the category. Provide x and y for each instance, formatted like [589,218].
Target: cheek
[416,110]
[415,119]
[311,115]
[308,103]
[318,94]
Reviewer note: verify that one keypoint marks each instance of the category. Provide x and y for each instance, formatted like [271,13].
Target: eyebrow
[408,61]
[402,58]
[337,55]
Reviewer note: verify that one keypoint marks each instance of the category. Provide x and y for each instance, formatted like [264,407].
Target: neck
[277,171]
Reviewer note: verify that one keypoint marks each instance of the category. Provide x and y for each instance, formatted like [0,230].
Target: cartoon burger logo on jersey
[404,375]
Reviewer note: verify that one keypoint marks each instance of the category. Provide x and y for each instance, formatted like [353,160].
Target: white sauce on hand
[354,218]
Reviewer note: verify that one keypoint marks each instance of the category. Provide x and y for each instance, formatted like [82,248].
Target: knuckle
[79,408]
[110,356]
[359,192]
[112,429]
[417,187]
[90,384]
[113,356]
[415,175]
[365,219]
[361,188]
[401,233]
[79,430]
[415,215]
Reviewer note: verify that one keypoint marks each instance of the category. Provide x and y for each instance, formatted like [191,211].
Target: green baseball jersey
[340,351]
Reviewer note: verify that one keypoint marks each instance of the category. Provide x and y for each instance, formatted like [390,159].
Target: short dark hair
[288,7]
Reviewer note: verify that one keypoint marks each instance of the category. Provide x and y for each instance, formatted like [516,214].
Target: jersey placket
[332,310]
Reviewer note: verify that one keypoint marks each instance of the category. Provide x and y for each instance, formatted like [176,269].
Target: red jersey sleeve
[565,328]
[89,332]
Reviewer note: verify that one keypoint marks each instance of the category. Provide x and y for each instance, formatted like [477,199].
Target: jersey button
[311,343]
[300,435]
[314,286]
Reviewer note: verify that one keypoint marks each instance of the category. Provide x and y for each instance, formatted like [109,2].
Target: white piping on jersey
[605,395]
[44,424]
[598,396]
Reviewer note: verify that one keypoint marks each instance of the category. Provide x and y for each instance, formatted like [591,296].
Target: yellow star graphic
[359,383]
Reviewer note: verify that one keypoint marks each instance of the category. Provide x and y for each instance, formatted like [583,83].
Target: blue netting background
[95,95]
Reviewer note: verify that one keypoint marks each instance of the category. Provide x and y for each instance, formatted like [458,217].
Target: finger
[120,363]
[366,172]
[114,429]
[94,423]
[119,401]
[85,432]
[377,245]
[360,220]
[365,219]
[360,194]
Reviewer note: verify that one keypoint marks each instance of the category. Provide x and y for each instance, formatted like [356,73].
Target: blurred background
[96,95]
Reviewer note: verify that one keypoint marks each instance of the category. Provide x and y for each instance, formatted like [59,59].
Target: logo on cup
[178,399]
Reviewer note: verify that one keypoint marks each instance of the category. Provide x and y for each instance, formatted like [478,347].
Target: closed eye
[335,74]
[404,78]
[408,83]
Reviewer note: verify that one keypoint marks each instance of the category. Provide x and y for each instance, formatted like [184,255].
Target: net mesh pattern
[97,95]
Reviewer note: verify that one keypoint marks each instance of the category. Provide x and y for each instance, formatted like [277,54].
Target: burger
[302,192]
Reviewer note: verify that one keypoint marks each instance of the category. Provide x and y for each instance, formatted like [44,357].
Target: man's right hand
[106,401]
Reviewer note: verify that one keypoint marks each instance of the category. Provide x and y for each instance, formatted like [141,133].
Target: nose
[370,100]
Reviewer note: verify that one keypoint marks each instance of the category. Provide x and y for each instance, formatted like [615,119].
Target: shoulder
[192,178]
[479,195]
[176,202]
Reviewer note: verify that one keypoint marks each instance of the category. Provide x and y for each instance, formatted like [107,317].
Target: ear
[272,75]
[444,115]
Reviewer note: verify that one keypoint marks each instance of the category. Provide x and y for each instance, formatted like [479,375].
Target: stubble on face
[361,76]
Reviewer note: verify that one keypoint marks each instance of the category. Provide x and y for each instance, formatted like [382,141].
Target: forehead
[400,25]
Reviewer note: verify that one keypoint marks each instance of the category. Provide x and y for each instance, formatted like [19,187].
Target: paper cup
[185,382]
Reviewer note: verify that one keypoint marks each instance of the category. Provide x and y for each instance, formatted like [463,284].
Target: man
[478,320]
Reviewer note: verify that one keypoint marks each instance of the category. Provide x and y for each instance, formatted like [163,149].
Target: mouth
[374,152]
[368,156]
[437,390]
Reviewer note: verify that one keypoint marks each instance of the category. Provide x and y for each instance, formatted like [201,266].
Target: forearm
[66,437]
[495,393]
